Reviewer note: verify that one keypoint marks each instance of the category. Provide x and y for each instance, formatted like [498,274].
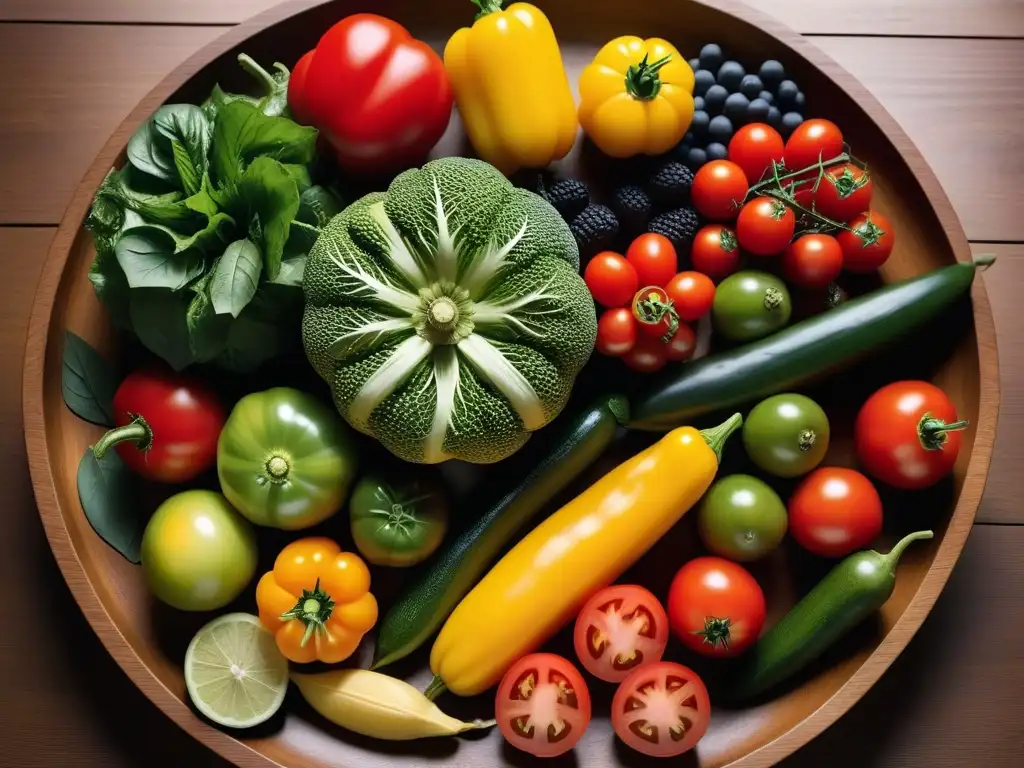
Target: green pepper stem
[265,78]
[314,608]
[642,80]
[435,689]
[716,436]
[487,7]
[136,431]
[984,259]
[893,557]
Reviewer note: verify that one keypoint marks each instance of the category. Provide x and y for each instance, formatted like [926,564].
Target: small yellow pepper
[636,97]
[511,87]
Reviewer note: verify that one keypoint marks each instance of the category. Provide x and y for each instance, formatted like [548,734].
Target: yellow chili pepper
[587,544]
[511,87]
[636,97]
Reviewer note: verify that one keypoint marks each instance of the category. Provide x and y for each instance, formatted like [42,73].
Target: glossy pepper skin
[511,87]
[636,97]
[587,544]
[317,601]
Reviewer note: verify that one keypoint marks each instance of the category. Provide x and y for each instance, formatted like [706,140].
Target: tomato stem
[642,80]
[313,609]
[136,431]
[650,309]
[772,298]
[715,437]
[715,632]
[933,432]
[806,439]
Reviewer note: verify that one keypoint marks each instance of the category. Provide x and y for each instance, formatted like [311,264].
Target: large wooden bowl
[148,641]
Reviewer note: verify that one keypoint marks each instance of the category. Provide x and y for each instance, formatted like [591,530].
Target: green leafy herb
[236,277]
[87,382]
[159,317]
[108,492]
[189,174]
[242,133]
[270,196]
[207,331]
[149,258]
[149,156]
[317,206]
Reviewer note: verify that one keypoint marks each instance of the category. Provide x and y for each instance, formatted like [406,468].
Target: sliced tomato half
[619,629]
[661,710]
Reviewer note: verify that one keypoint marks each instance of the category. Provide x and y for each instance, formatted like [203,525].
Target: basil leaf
[301,238]
[219,97]
[242,133]
[158,317]
[187,125]
[108,493]
[147,153]
[189,174]
[207,331]
[317,206]
[272,200]
[300,175]
[87,382]
[210,239]
[109,283]
[267,328]
[236,278]
[291,271]
[275,100]
[148,255]
[202,201]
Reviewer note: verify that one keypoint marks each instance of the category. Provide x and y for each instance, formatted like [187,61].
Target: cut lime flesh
[234,672]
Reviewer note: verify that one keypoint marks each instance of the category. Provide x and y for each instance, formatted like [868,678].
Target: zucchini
[800,353]
[419,612]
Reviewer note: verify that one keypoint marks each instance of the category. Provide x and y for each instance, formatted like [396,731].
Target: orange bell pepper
[317,601]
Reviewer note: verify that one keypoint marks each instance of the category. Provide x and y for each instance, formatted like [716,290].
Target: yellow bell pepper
[587,544]
[511,87]
[636,97]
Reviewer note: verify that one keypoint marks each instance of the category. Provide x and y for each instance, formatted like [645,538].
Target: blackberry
[633,206]
[679,226]
[670,184]
[595,229]
[568,196]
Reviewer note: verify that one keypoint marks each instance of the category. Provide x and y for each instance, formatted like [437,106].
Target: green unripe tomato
[750,305]
[741,518]
[285,460]
[198,553]
[786,435]
[399,521]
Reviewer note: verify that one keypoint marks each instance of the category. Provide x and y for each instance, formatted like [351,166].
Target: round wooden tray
[148,640]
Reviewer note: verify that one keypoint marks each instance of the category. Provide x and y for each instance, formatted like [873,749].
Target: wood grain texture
[980,18]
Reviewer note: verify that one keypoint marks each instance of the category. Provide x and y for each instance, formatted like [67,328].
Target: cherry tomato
[167,425]
[868,246]
[813,261]
[715,251]
[692,294]
[611,279]
[813,140]
[620,628]
[835,511]
[647,355]
[654,258]
[683,344]
[661,710]
[754,147]
[843,192]
[907,435]
[715,607]
[719,189]
[616,332]
[654,313]
[543,705]
[765,226]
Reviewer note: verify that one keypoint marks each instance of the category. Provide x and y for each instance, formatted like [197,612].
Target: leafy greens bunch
[202,237]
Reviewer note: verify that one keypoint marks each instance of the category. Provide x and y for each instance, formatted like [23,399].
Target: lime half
[234,672]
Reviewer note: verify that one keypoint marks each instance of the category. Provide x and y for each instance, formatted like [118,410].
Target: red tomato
[683,344]
[715,607]
[843,192]
[611,279]
[661,710]
[719,189]
[835,511]
[167,425]
[868,245]
[907,435]
[692,294]
[654,313]
[620,628]
[647,355]
[654,258]
[754,147]
[543,705]
[765,226]
[813,140]
[297,100]
[381,98]
[813,261]
[715,251]
[616,332]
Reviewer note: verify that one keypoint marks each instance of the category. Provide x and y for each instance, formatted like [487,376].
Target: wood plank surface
[978,18]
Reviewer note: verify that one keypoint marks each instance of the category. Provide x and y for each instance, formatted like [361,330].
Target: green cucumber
[848,594]
[419,612]
[800,353]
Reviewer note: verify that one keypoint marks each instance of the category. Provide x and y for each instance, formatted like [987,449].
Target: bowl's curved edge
[237,751]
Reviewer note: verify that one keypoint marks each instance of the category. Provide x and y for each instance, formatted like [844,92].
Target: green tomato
[741,518]
[750,305]
[198,553]
[285,460]
[786,435]
[399,522]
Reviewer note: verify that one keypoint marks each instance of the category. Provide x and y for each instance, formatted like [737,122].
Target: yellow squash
[511,87]
[587,544]
[636,98]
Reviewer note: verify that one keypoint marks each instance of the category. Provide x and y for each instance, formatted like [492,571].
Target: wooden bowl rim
[241,753]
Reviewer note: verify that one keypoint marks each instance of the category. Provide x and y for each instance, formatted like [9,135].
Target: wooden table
[951,71]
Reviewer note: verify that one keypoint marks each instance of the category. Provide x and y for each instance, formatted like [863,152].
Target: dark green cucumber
[419,612]
[848,594]
[800,353]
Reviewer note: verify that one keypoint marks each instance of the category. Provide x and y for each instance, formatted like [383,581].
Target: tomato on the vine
[715,251]
[868,242]
[835,511]
[543,705]
[813,261]
[908,435]
[647,355]
[683,344]
[715,607]
[612,280]
[754,148]
[654,313]
[661,710]
[616,332]
[719,189]
[619,629]
[692,294]
[843,192]
[654,258]
[812,141]
[765,226]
